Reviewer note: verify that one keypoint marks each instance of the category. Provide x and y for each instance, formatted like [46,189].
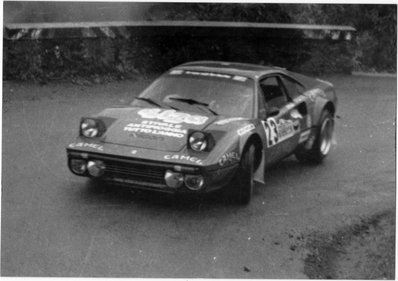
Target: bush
[374,48]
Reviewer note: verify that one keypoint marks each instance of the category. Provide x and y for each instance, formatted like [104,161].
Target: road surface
[54,223]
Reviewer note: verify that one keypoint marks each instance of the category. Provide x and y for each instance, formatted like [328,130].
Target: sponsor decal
[131,181]
[290,106]
[309,121]
[154,128]
[228,158]
[310,142]
[296,125]
[228,120]
[278,132]
[312,94]
[183,157]
[172,116]
[239,78]
[176,72]
[304,136]
[86,144]
[147,136]
[209,74]
[300,99]
[245,129]
[295,114]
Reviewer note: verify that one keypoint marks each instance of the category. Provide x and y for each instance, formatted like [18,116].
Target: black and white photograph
[232,140]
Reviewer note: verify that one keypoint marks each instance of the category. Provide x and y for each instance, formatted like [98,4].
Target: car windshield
[222,94]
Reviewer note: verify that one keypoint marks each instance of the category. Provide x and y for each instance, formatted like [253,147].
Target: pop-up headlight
[198,141]
[91,127]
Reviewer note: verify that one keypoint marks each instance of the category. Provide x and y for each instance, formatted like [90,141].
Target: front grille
[140,174]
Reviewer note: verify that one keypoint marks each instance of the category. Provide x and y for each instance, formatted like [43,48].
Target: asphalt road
[56,224]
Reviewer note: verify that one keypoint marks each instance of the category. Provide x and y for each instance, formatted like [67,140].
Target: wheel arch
[255,140]
[321,107]
[330,107]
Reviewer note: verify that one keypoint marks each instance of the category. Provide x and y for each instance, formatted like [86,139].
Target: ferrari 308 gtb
[207,125]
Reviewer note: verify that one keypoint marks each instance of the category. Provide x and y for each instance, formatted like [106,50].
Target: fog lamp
[173,179]
[78,166]
[96,168]
[194,182]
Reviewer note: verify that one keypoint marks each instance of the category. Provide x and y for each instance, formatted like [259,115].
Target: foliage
[374,48]
[52,59]
[272,13]
[376,40]
[375,45]
[329,57]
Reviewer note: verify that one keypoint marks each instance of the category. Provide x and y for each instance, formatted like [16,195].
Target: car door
[302,103]
[282,121]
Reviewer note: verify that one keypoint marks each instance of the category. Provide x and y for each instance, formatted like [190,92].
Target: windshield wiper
[195,102]
[148,100]
[151,101]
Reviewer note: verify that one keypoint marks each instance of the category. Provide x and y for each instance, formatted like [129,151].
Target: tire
[322,143]
[243,182]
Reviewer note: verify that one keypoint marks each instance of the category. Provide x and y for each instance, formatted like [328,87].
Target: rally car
[207,125]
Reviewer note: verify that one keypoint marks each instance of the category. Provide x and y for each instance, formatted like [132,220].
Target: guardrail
[125,29]
[62,50]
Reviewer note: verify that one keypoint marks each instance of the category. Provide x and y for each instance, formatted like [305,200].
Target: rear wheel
[322,143]
[243,181]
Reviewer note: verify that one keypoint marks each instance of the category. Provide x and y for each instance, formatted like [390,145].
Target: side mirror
[273,111]
[262,114]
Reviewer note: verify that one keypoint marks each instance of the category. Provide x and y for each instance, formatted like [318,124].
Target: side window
[294,89]
[273,92]
[261,106]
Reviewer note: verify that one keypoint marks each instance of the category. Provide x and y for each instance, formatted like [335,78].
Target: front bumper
[150,175]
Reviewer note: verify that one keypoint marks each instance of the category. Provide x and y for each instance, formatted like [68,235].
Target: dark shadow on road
[94,192]
[113,194]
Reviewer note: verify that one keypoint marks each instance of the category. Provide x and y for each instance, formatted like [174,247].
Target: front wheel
[323,141]
[244,179]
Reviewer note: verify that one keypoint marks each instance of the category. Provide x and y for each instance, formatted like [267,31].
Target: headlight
[194,182]
[198,141]
[91,128]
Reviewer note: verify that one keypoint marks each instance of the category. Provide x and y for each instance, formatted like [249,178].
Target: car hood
[152,128]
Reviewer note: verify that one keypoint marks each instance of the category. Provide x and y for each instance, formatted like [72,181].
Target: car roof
[232,68]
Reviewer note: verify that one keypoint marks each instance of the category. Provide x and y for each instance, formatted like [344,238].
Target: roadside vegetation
[102,59]
[365,250]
